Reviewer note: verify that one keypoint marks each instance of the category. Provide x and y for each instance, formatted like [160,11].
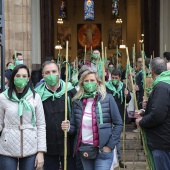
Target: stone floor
[136,166]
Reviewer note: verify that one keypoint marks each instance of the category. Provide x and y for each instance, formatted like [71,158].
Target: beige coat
[18,140]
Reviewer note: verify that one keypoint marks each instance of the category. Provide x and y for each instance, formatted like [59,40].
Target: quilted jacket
[108,135]
[21,140]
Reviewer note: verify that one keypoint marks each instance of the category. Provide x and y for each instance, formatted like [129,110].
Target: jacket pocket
[5,136]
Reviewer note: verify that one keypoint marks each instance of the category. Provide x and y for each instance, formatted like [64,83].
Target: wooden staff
[125,114]
[105,56]
[144,74]
[66,87]
[142,46]
[133,48]
[84,54]
[133,90]
[103,68]
[91,49]
[117,56]
[153,55]
[77,63]
[136,107]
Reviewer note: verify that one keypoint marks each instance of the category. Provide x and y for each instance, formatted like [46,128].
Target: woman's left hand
[106,149]
[39,160]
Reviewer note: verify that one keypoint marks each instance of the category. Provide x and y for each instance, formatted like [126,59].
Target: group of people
[32,120]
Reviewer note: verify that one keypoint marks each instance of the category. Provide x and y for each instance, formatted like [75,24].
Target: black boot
[121,165]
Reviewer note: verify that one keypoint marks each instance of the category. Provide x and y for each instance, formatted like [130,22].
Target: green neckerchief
[94,62]
[45,93]
[115,91]
[11,67]
[74,82]
[89,95]
[163,77]
[22,103]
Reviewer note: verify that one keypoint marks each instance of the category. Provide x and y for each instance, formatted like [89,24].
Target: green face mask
[51,79]
[20,82]
[115,82]
[90,87]
[110,69]
[11,67]
[95,56]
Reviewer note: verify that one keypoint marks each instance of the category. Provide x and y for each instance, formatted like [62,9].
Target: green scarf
[89,95]
[163,77]
[23,103]
[45,93]
[115,91]
[94,62]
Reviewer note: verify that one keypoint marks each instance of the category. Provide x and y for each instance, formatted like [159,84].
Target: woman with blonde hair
[96,122]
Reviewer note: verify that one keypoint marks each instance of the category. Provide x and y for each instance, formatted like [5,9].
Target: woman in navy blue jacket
[96,122]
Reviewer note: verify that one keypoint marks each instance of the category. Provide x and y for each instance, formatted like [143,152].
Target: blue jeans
[52,162]
[10,163]
[161,159]
[103,161]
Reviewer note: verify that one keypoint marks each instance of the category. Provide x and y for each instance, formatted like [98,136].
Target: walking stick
[105,57]
[133,56]
[103,68]
[84,54]
[116,56]
[65,132]
[136,106]
[124,128]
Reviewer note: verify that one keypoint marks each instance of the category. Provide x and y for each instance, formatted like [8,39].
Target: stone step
[130,155]
[132,142]
[136,166]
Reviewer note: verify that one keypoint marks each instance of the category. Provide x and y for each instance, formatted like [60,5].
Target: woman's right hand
[65,125]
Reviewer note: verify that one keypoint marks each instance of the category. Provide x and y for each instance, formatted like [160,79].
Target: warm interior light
[58,47]
[119,21]
[122,46]
[60,21]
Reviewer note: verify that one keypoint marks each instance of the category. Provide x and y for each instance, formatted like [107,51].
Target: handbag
[88,151]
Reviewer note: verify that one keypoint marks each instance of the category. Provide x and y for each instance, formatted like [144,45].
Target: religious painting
[89,10]
[64,34]
[89,35]
[63,9]
[114,36]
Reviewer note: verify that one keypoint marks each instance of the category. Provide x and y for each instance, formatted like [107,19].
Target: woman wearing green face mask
[22,124]
[94,113]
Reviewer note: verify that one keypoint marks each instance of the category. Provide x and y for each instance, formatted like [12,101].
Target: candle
[165,47]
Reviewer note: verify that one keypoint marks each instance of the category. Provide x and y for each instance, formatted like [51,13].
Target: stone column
[164,26]
[18,29]
[35,34]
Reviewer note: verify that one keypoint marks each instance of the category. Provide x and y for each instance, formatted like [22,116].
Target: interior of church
[140,22]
